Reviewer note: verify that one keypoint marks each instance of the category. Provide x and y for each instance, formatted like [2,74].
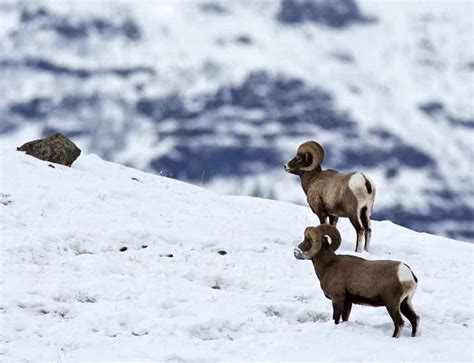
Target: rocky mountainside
[221,93]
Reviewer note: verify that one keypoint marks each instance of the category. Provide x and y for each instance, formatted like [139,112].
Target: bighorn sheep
[348,280]
[332,194]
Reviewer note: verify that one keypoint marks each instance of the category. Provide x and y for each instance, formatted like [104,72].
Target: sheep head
[314,239]
[309,156]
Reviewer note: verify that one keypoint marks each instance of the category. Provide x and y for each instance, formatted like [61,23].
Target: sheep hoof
[397,332]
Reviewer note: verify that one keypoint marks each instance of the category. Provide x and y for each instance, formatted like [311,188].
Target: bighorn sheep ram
[348,280]
[332,194]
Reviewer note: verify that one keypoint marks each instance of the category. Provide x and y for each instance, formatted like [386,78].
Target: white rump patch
[404,273]
[357,182]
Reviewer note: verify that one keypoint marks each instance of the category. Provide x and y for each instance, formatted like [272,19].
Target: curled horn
[331,231]
[316,151]
[316,243]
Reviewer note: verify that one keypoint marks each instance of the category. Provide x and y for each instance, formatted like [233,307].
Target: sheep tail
[368,185]
[416,280]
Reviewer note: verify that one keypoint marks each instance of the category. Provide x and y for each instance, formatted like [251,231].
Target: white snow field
[68,293]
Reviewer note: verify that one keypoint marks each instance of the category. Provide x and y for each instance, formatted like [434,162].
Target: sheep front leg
[323,219]
[360,237]
[337,307]
[333,220]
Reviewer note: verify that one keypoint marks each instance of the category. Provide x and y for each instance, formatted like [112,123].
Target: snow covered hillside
[104,262]
[220,93]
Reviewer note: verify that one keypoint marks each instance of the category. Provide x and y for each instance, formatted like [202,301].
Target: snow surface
[68,293]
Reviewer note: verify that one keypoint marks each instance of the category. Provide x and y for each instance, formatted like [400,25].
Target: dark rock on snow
[56,149]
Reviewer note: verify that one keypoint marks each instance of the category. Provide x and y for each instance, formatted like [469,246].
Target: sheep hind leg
[398,322]
[368,235]
[407,310]
[360,234]
[346,312]
[333,220]
[365,221]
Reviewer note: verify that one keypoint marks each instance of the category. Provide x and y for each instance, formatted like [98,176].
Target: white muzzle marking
[298,253]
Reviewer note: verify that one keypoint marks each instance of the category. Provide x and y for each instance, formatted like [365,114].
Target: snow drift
[87,273]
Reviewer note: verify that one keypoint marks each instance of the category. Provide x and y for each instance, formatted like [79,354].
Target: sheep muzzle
[306,250]
[297,163]
[298,253]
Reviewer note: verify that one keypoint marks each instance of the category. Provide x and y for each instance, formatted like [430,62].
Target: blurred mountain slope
[222,93]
